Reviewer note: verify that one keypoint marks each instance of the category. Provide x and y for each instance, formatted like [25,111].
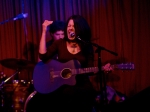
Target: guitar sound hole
[66,73]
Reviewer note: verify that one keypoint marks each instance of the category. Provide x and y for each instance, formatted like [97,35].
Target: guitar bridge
[52,75]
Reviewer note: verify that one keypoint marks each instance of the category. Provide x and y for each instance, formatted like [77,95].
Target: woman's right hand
[45,24]
[42,46]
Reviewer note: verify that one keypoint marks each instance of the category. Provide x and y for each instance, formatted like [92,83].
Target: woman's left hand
[107,68]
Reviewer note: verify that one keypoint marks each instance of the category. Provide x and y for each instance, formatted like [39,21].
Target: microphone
[20,16]
[72,34]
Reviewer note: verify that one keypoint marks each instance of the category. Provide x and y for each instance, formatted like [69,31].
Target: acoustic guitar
[47,77]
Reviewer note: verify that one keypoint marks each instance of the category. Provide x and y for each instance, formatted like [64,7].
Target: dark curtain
[121,26]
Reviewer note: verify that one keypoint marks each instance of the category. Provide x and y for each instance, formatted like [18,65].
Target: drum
[2,76]
[21,92]
[16,94]
[28,99]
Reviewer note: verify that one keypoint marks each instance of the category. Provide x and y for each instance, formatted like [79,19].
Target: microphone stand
[104,100]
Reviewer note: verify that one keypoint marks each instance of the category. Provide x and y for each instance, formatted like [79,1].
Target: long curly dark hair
[82,29]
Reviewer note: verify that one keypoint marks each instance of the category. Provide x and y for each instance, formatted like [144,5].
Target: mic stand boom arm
[97,46]
[100,72]
[6,21]
[19,16]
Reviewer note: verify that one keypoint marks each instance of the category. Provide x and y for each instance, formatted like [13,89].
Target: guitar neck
[122,66]
[84,70]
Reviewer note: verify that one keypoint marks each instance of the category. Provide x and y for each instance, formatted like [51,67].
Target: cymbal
[17,64]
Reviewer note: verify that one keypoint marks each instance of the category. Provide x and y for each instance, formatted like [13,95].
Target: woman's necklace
[74,46]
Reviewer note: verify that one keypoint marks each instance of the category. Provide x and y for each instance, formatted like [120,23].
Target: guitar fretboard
[84,70]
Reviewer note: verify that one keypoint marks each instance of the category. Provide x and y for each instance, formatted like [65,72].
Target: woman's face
[70,29]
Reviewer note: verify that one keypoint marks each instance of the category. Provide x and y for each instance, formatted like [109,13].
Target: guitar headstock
[125,66]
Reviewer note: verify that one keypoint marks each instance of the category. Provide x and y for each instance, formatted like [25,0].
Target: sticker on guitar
[47,77]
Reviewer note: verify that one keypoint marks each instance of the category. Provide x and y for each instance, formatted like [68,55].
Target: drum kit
[14,96]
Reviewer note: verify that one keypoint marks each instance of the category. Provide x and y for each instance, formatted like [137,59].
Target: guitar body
[47,77]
